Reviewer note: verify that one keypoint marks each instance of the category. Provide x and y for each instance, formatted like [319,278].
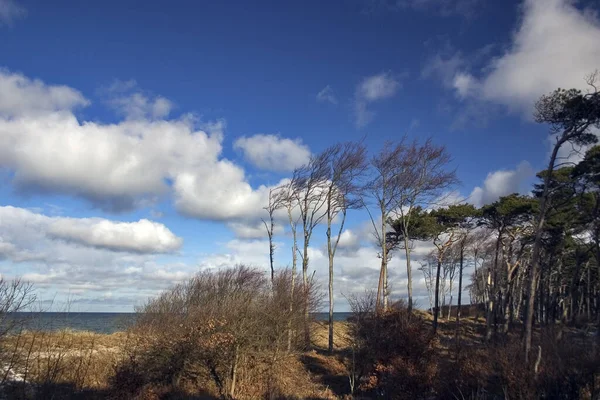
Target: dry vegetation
[70,364]
[235,334]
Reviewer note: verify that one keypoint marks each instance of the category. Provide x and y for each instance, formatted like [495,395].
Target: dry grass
[87,360]
[320,335]
[83,360]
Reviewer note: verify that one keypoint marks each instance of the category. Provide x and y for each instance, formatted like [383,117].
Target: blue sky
[138,143]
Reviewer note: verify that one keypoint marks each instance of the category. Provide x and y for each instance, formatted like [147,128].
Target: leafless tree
[275,202]
[383,191]
[347,165]
[287,197]
[309,184]
[421,180]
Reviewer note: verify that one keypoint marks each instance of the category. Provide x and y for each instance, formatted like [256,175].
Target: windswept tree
[422,177]
[383,191]
[288,199]
[442,225]
[465,216]
[509,215]
[309,184]
[587,173]
[275,202]
[347,165]
[571,115]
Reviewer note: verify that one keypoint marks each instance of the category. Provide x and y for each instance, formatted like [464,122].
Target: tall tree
[571,114]
[275,202]
[287,197]
[347,164]
[383,190]
[309,187]
[466,219]
[587,172]
[421,180]
[509,213]
[441,225]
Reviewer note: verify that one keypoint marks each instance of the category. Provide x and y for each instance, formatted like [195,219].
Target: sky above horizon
[138,142]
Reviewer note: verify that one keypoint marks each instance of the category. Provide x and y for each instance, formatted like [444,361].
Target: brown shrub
[223,333]
[394,353]
[566,370]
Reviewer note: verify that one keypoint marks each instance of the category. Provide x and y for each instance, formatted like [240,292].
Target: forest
[531,330]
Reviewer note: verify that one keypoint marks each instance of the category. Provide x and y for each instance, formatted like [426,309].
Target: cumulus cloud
[372,89]
[21,96]
[10,11]
[143,236]
[272,152]
[326,95]
[120,166]
[502,183]
[62,258]
[555,45]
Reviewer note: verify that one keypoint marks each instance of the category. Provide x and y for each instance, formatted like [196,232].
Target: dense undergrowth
[236,334]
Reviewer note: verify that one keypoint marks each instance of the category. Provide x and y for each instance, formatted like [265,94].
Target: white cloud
[502,183]
[326,95]
[348,240]
[143,236]
[124,165]
[84,262]
[272,152]
[464,84]
[20,96]
[555,45]
[10,11]
[377,87]
[372,89]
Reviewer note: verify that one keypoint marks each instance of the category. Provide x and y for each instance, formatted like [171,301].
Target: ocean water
[101,322]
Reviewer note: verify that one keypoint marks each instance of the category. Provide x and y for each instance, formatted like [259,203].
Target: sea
[106,323]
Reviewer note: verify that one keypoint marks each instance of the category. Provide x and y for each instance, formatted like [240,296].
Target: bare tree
[275,202]
[309,184]
[288,198]
[347,164]
[427,269]
[384,192]
[421,180]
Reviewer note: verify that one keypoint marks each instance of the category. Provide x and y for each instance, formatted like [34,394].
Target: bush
[222,333]
[566,370]
[394,352]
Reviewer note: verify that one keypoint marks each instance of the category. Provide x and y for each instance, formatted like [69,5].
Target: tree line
[536,258]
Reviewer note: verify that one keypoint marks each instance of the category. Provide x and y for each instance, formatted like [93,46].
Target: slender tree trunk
[450,304]
[459,300]
[436,310]
[379,286]
[294,272]
[271,251]
[589,292]
[490,308]
[330,256]
[305,289]
[384,259]
[535,256]
[408,269]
